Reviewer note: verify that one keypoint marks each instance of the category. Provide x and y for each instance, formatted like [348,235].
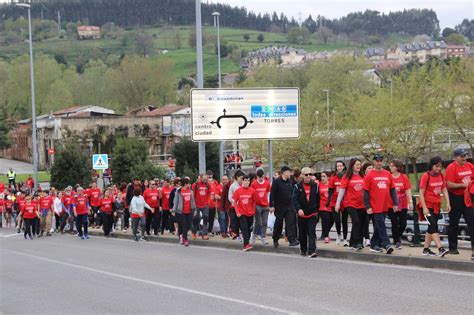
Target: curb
[432,263]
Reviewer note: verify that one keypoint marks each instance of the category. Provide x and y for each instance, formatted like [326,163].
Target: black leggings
[107,222]
[326,220]
[184,224]
[358,217]
[399,224]
[29,224]
[338,218]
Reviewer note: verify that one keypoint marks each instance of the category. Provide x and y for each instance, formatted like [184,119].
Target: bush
[71,166]
[130,159]
[187,158]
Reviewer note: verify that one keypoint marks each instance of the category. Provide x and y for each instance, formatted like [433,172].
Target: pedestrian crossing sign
[100,161]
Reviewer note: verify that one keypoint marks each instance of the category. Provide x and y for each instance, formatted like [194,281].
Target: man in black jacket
[281,203]
[306,202]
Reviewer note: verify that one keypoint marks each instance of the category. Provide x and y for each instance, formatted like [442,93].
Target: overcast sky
[450,12]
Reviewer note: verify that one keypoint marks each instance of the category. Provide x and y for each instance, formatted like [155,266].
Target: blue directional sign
[100,161]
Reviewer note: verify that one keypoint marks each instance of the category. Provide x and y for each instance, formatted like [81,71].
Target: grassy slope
[42,177]
[164,38]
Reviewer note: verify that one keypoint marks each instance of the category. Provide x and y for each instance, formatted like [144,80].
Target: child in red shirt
[245,198]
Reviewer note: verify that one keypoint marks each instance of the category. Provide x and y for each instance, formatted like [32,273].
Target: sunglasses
[309,174]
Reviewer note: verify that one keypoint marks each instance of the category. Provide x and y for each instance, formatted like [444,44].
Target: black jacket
[281,194]
[301,202]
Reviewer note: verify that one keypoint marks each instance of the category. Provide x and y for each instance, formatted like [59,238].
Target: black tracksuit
[307,222]
[281,199]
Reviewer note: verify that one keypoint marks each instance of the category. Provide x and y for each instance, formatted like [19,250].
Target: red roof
[161,111]
[88,28]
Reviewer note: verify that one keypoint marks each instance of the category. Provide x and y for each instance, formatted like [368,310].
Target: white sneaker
[367,243]
[253,238]
[264,241]
[346,243]
[338,240]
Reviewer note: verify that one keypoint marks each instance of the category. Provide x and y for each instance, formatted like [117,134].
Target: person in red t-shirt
[352,196]
[262,187]
[30,183]
[166,222]
[46,211]
[106,212]
[183,208]
[245,198]
[223,208]
[458,176]
[202,192]
[81,210]
[378,188]
[432,185]
[335,182]
[2,208]
[2,188]
[214,198]
[29,212]
[405,202]
[94,193]
[325,212]
[152,198]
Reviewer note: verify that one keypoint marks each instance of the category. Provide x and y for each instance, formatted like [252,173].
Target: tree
[111,30]
[455,39]
[130,159]
[466,28]
[187,161]
[448,31]
[260,38]
[4,129]
[298,35]
[71,166]
[324,33]
[144,43]
[246,37]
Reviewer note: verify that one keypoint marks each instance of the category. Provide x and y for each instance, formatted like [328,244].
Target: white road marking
[10,235]
[158,284]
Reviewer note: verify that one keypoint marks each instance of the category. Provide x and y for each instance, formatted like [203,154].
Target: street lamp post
[327,108]
[216,16]
[33,101]
[200,81]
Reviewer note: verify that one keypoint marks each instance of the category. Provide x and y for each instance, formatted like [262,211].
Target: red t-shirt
[29,211]
[152,197]
[458,174]
[94,197]
[244,201]
[106,205]
[402,183]
[45,203]
[307,190]
[81,205]
[186,194]
[20,201]
[262,189]
[30,182]
[335,183]
[165,197]
[323,197]
[201,194]
[9,204]
[354,195]
[2,202]
[213,192]
[67,201]
[467,195]
[378,184]
[2,187]
[124,194]
[433,186]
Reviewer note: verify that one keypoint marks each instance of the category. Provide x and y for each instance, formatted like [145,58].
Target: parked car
[410,229]
[463,231]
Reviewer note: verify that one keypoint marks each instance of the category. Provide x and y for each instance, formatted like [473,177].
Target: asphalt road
[66,275]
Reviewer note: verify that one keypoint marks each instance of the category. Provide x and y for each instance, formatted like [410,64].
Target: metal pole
[200,80]
[221,143]
[327,108]
[33,106]
[59,22]
[391,92]
[270,159]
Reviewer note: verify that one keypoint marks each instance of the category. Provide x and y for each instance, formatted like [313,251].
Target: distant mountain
[182,12]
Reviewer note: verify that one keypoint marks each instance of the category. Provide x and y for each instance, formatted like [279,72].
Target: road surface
[66,275]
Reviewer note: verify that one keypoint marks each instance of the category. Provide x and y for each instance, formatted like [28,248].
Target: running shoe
[253,238]
[338,240]
[389,250]
[327,240]
[143,239]
[454,252]
[346,243]
[376,249]
[86,236]
[443,252]
[313,255]
[205,237]
[398,245]
[186,243]
[264,241]
[428,252]
[247,248]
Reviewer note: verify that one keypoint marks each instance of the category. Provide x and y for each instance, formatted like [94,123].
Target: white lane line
[10,235]
[158,284]
[331,260]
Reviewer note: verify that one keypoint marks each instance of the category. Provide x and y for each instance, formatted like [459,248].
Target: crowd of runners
[299,199]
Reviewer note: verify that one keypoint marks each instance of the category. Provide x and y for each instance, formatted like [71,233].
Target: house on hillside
[88,32]
[284,56]
[458,51]
[375,54]
[405,53]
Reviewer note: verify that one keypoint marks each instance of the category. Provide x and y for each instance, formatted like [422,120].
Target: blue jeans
[223,218]
[380,231]
[81,221]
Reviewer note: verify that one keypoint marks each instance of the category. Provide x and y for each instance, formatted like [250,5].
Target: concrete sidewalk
[407,256]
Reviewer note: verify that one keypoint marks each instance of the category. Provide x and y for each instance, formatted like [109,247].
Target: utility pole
[216,16]
[59,22]
[200,81]
[327,108]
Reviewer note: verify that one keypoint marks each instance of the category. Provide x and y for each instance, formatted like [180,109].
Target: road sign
[100,161]
[51,151]
[243,114]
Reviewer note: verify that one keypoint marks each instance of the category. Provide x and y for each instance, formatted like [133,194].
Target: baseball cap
[285,168]
[460,152]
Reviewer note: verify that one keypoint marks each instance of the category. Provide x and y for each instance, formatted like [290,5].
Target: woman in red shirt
[432,185]
[183,208]
[351,193]
[324,211]
[106,212]
[405,203]
[245,198]
[29,212]
[335,182]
